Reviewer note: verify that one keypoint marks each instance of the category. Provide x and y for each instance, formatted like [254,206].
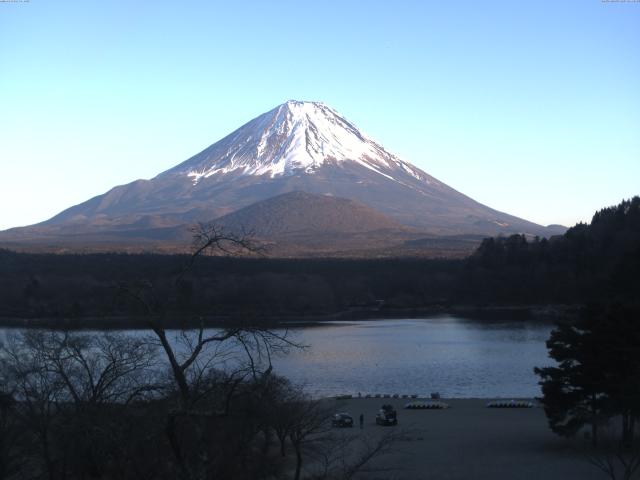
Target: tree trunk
[178,372]
[282,439]
[170,430]
[267,441]
[594,421]
[298,461]
[627,430]
[48,461]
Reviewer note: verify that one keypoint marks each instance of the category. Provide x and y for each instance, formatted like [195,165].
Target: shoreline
[451,402]
[469,440]
[541,312]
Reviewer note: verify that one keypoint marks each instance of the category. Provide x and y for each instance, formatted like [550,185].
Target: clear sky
[531,107]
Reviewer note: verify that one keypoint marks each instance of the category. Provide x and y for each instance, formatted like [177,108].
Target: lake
[454,356]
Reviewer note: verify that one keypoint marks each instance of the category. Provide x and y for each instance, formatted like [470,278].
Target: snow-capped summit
[293,137]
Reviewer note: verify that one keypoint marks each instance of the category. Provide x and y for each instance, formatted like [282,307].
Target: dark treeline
[72,286]
[591,262]
[595,382]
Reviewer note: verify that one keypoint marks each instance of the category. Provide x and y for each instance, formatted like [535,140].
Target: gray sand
[470,441]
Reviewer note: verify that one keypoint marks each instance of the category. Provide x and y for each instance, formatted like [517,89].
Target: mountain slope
[298,146]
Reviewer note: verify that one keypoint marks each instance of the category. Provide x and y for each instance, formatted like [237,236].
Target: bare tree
[243,350]
[342,456]
[213,239]
[38,393]
[94,369]
[11,460]
[72,390]
[258,343]
[309,418]
[618,459]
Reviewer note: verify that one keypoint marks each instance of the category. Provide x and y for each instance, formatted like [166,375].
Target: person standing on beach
[361,420]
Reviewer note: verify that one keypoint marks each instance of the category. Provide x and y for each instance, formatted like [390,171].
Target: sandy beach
[470,441]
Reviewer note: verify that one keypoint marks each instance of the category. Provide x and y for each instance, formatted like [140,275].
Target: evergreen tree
[598,372]
[573,394]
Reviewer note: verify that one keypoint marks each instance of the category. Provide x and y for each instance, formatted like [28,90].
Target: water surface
[454,356]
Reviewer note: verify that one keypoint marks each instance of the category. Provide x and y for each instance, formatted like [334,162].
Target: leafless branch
[613,457]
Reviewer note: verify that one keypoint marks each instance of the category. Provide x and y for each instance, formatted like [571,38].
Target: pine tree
[598,372]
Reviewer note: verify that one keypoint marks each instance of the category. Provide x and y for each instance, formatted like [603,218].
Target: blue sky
[532,108]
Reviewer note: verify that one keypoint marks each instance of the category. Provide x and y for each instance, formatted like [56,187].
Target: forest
[590,262]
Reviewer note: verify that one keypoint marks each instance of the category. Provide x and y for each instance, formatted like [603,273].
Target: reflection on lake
[454,356]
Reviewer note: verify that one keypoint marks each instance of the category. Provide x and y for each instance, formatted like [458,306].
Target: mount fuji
[296,147]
